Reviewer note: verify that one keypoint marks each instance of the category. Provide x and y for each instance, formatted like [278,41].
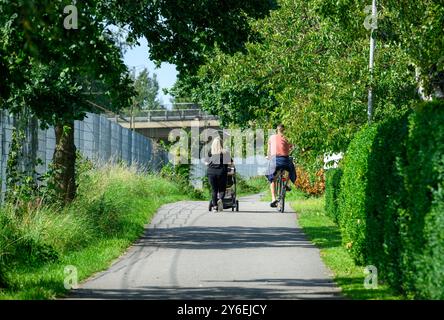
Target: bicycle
[280,188]
[281,185]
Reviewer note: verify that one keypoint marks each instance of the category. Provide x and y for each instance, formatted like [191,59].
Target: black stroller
[230,200]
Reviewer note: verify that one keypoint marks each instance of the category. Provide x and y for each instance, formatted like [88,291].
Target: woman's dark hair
[280,128]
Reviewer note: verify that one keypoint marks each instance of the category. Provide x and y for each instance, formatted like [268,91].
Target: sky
[166,74]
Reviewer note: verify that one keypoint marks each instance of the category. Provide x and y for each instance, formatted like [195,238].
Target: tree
[59,67]
[414,26]
[310,71]
[146,89]
[182,32]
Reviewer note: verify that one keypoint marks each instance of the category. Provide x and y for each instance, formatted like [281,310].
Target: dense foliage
[59,68]
[352,198]
[311,70]
[146,88]
[391,200]
[332,188]
[313,185]
[385,196]
[422,217]
[183,32]
[61,71]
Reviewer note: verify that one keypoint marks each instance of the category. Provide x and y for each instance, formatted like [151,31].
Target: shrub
[391,201]
[370,195]
[422,221]
[2,276]
[309,183]
[384,196]
[332,188]
[353,192]
[181,174]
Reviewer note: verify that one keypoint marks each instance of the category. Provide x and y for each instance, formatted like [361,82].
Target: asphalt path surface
[187,252]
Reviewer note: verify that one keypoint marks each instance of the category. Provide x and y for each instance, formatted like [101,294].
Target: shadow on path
[293,290]
[224,238]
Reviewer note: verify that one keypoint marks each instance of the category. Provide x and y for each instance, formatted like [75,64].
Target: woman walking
[217,162]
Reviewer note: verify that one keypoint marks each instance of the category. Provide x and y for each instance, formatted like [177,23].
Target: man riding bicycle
[278,154]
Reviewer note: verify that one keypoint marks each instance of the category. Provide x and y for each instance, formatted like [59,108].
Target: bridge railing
[167,115]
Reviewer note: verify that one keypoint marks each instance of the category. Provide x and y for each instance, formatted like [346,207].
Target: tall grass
[38,240]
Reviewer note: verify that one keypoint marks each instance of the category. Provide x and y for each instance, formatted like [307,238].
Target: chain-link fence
[97,138]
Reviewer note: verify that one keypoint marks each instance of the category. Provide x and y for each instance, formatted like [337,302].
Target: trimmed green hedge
[391,201]
[332,187]
[2,276]
[422,220]
[353,194]
[385,195]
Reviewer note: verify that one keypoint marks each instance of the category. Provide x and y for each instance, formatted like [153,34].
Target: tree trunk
[64,161]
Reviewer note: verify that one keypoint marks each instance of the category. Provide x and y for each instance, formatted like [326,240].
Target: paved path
[190,253]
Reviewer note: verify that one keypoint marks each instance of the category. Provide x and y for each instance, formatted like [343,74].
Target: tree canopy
[146,89]
[52,69]
[56,69]
[59,67]
[182,32]
[311,71]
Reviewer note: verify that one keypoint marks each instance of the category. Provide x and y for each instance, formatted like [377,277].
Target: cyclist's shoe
[287,188]
[214,210]
[220,205]
[274,204]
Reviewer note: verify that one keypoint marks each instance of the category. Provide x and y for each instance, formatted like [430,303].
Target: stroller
[230,200]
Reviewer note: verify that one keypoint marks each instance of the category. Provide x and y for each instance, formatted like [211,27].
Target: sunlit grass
[322,231]
[251,186]
[113,205]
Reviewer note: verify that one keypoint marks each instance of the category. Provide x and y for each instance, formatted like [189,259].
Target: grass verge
[249,186]
[108,215]
[325,234]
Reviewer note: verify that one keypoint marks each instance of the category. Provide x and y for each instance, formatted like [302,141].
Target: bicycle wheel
[282,204]
[282,196]
[277,189]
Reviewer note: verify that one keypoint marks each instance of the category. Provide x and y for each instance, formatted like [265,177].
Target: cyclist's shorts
[277,163]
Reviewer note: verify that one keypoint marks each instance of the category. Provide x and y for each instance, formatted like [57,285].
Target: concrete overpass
[157,124]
